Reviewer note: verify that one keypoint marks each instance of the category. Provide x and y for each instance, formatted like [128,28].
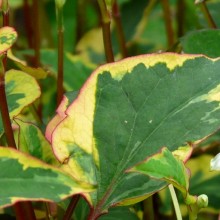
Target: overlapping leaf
[21,91]
[32,141]
[202,42]
[164,165]
[129,110]
[23,177]
[37,73]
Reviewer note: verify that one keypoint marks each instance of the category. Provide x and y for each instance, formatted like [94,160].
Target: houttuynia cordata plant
[124,129]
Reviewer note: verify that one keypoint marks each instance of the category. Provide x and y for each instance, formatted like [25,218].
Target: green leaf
[89,47]
[8,36]
[202,42]
[164,165]
[120,213]
[37,73]
[126,112]
[21,90]
[23,177]
[32,141]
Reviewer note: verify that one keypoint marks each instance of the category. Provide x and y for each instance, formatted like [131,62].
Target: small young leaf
[8,36]
[164,165]
[32,141]
[202,201]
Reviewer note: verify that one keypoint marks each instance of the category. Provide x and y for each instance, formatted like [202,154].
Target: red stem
[5,114]
[36,32]
[180,17]
[119,29]
[168,22]
[106,32]
[107,42]
[27,23]
[60,89]
[69,212]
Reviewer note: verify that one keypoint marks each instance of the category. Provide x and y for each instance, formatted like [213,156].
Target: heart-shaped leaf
[127,111]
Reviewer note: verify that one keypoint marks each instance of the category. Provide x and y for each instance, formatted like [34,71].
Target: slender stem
[27,23]
[106,22]
[72,205]
[81,19]
[23,212]
[168,22]
[175,202]
[119,29]
[6,18]
[180,17]
[5,113]
[148,208]
[60,89]
[208,16]
[36,32]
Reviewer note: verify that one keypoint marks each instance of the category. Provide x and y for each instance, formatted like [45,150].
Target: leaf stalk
[175,202]
[72,205]
[60,74]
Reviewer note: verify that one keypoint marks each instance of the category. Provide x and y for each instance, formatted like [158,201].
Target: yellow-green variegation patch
[32,141]
[23,177]
[21,91]
[126,112]
[8,36]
